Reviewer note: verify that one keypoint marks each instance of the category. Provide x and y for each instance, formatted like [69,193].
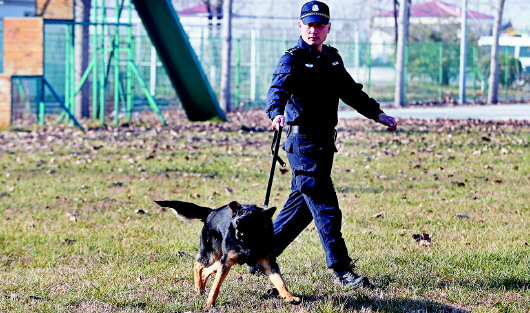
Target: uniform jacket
[307,85]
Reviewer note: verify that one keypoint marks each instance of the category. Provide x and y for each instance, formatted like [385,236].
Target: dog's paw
[293,300]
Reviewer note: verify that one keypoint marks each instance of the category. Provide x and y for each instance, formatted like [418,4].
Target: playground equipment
[183,67]
[24,57]
[111,69]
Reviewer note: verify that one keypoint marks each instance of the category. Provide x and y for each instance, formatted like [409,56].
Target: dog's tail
[186,209]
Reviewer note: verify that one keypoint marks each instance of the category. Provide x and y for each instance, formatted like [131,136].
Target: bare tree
[226,52]
[396,11]
[82,106]
[494,63]
[403,30]
[214,9]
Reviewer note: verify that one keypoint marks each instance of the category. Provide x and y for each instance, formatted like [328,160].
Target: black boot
[352,280]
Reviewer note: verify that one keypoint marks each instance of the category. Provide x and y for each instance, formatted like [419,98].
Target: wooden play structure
[24,54]
[111,70]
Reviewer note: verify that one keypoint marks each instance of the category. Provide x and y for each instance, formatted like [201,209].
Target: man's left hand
[388,121]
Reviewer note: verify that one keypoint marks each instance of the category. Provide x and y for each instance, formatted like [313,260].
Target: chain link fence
[432,70]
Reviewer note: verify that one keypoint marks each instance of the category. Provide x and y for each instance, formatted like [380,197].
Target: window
[507,49]
[524,52]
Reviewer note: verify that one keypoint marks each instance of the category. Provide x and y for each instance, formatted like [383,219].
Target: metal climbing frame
[111,65]
[107,58]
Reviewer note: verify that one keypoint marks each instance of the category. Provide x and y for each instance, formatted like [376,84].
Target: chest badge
[309,65]
[335,63]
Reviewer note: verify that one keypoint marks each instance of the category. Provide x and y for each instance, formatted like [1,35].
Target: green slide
[182,66]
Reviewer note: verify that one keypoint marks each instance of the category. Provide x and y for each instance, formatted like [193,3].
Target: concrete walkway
[483,112]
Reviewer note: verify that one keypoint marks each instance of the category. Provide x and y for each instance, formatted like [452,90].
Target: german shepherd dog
[232,234]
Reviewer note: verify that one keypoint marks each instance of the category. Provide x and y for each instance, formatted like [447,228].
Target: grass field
[79,231]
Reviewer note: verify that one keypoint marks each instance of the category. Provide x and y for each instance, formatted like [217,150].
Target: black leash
[275,147]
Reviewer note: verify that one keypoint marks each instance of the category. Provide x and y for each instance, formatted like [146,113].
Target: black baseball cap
[315,12]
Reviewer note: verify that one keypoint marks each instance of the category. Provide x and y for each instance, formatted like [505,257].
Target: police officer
[304,95]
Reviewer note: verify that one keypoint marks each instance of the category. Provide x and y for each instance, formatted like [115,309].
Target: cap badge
[315,7]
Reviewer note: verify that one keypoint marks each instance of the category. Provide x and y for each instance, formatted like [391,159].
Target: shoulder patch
[295,50]
[332,48]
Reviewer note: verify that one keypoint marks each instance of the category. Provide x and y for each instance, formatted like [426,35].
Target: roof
[437,8]
[198,9]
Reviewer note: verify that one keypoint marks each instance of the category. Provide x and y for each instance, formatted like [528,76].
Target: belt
[304,130]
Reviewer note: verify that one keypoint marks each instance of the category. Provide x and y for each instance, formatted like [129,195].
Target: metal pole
[72,70]
[22,92]
[67,72]
[102,64]
[237,77]
[406,71]
[129,81]
[369,82]
[95,50]
[440,71]
[152,71]
[150,99]
[474,70]
[506,72]
[253,65]
[46,83]
[463,52]
[41,107]
[116,60]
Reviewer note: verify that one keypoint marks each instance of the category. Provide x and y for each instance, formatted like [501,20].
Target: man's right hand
[278,121]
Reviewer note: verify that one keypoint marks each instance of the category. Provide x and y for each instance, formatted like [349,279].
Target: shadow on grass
[362,303]
[511,284]
[506,283]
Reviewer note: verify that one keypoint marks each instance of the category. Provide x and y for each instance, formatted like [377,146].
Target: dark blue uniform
[306,88]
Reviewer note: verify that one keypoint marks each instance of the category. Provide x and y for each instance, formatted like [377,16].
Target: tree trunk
[396,8]
[226,52]
[82,51]
[403,31]
[494,63]
[463,53]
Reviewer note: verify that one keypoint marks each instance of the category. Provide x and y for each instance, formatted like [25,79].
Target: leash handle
[276,148]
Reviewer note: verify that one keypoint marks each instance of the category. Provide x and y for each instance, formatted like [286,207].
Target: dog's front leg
[201,275]
[222,271]
[273,272]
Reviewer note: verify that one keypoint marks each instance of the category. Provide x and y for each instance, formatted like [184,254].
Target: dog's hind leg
[222,271]
[272,271]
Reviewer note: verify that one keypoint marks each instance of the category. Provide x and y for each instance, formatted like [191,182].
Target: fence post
[440,70]
[369,65]
[237,77]
[506,73]
[253,71]
[474,70]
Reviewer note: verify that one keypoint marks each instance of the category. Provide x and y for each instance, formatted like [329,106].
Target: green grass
[72,240]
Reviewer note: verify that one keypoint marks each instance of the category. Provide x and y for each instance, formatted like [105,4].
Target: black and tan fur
[232,234]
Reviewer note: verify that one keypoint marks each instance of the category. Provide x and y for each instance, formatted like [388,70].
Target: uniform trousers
[312,197]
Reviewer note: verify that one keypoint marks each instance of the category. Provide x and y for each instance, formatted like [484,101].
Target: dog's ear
[269,212]
[234,206]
